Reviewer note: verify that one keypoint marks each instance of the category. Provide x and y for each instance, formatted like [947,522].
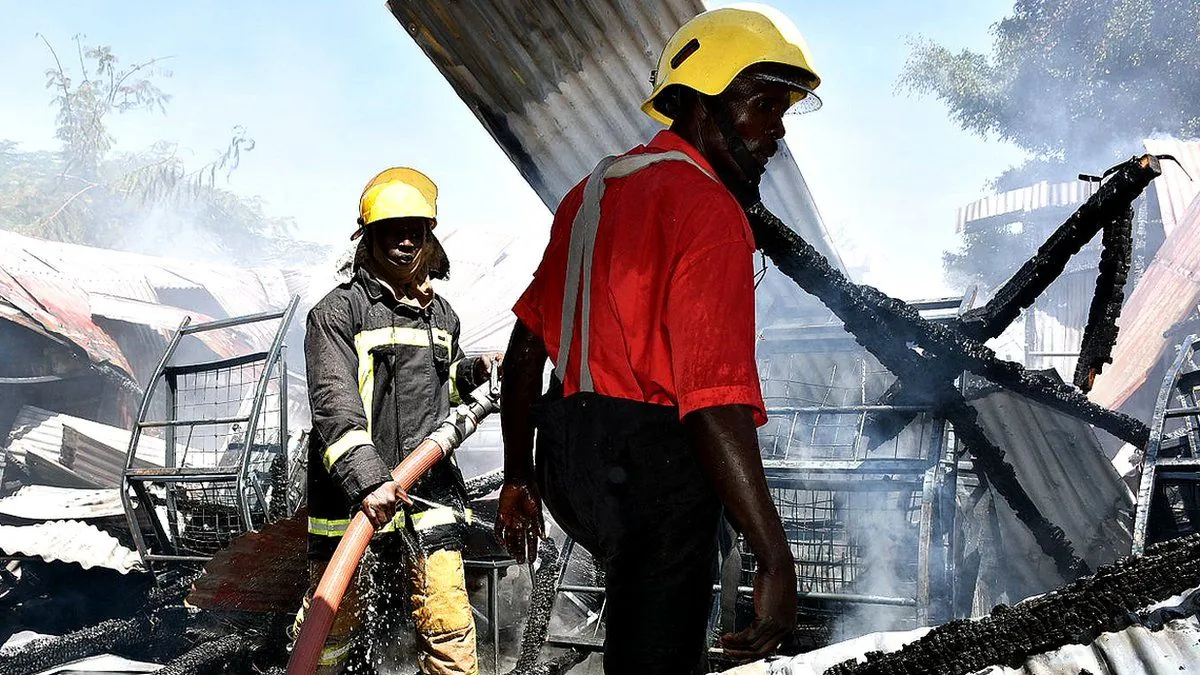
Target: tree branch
[52,216]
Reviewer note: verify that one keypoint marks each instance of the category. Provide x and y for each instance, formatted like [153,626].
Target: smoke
[167,230]
[880,528]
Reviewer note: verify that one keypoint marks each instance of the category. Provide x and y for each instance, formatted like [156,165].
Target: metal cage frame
[1183,466]
[248,491]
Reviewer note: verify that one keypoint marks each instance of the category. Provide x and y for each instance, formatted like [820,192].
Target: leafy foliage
[1075,83]
[1066,77]
[149,201]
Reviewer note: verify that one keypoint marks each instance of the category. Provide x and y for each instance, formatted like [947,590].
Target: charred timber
[865,310]
[484,484]
[885,326]
[226,654]
[1110,205]
[541,605]
[114,635]
[1100,336]
[1075,614]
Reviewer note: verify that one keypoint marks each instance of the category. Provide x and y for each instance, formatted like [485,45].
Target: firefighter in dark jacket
[384,368]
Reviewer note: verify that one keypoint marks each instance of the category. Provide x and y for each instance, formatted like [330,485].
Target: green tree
[1075,83]
[149,200]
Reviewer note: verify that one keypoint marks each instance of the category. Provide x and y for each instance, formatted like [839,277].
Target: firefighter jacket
[382,374]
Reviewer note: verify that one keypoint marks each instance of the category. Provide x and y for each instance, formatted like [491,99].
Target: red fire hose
[461,423]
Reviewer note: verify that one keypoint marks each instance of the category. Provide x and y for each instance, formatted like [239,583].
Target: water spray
[456,428]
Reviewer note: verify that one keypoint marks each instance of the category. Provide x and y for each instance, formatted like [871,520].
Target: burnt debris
[885,326]
[1100,336]
[114,635]
[541,606]
[928,357]
[1109,209]
[1075,614]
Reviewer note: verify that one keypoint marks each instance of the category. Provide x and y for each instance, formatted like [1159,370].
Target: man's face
[756,108]
[397,244]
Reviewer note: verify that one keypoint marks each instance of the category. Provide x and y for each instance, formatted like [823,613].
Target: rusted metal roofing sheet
[1174,189]
[165,320]
[56,289]
[1168,292]
[559,85]
[69,541]
[43,502]
[58,311]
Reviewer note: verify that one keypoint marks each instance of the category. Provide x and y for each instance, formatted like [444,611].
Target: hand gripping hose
[461,423]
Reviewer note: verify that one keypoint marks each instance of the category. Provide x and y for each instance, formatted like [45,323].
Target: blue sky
[333,92]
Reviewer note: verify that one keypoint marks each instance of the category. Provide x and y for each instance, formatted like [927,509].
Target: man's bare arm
[725,438]
[519,522]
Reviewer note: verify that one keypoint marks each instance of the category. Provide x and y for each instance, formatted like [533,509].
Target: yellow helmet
[398,192]
[711,49]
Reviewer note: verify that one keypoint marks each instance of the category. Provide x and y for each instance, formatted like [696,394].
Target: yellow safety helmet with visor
[712,48]
[399,192]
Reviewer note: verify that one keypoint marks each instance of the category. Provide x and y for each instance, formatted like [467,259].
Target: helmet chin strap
[744,187]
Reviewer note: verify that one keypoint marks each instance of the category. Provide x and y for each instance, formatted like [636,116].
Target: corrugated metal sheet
[559,85]
[41,431]
[1030,198]
[1167,293]
[1174,189]
[48,306]
[42,502]
[56,289]
[1133,651]
[69,541]
[490,270]
[106,664]
[166,319]
[1059,317]
[1061,464]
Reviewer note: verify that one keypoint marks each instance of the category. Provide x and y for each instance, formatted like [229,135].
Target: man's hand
[380,505]
[484,364]
[519,522]
[774,614]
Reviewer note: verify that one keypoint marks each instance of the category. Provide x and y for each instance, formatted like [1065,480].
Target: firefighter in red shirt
[644,302]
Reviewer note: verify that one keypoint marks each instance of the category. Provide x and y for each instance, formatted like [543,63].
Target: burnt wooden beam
[1100,336]
[1105,210]
[885,326]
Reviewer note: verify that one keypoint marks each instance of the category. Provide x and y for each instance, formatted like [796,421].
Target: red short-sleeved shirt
[672,289]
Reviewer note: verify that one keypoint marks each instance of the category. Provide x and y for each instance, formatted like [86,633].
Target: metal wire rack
[1168,504]
[869,521]
[228,461]
[849,542]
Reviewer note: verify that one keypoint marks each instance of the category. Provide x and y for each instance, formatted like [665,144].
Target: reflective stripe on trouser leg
[345,623]
[442,615]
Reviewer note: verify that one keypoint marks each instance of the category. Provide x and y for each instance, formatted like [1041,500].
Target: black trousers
[620,477]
